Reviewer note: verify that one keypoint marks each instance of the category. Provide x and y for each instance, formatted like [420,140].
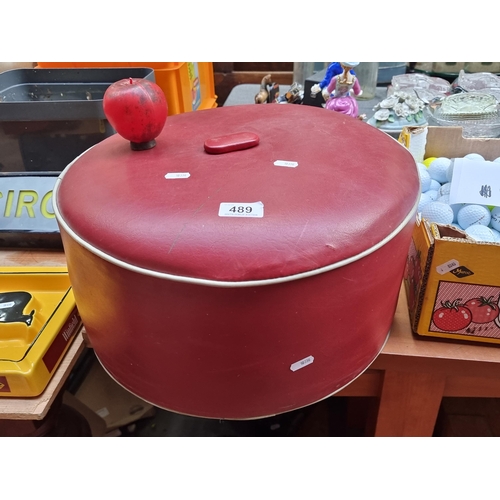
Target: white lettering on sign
[26,203]
[447,266]
[68,332]
[241,209]
[300,364]
[177,175]
[283,163]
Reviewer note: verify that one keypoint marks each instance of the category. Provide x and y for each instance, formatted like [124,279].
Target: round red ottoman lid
[283,190]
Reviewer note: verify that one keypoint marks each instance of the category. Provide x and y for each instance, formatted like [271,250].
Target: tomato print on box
[466,309]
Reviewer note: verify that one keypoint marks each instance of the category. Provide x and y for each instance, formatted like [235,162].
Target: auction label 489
[241,209]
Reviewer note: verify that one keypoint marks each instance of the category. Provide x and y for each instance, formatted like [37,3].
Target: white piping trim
[222,284]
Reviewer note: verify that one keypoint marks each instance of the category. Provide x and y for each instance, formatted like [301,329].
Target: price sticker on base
[177,175]
[239,209]
[300,364]
[284,163]
[447,266]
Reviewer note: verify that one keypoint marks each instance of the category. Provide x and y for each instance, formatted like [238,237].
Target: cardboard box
[96,423]
[453,282]
[110,401]
[447,67]
[482,67]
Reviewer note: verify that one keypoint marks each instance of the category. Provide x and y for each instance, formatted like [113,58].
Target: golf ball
[438,169]
[474,156]
[434,195]
[481,233]
[445,189]
[455,207]
[425,178]
[496,234]
[438,212]
[424,200]
[435,185]
[495,218]
[473,214]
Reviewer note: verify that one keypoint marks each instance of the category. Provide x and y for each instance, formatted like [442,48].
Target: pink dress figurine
[342,101]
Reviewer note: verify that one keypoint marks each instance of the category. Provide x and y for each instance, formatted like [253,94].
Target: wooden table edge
[36,408]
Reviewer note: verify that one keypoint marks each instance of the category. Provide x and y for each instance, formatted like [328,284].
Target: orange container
[188,86]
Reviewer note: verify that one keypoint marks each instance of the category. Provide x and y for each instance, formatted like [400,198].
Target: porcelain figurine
[333,69]
[343,87]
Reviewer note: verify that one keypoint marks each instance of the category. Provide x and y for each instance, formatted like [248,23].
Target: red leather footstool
[247,265]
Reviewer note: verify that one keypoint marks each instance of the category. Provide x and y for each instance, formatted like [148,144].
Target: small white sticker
[447,266]
[300,364]
[283,163]
[6,305]
[241,209]
[177,175]
[103,412]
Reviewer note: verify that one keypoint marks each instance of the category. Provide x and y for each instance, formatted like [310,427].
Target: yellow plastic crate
[38,322]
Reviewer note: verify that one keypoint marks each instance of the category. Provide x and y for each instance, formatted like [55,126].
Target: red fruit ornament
[137,110]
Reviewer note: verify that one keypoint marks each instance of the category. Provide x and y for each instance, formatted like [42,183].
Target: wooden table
[36,408]
[412,375]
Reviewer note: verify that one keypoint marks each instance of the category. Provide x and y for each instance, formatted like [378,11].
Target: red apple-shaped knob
[137,109]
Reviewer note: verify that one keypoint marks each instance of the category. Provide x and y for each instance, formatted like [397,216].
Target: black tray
[59,94]
[47,118]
